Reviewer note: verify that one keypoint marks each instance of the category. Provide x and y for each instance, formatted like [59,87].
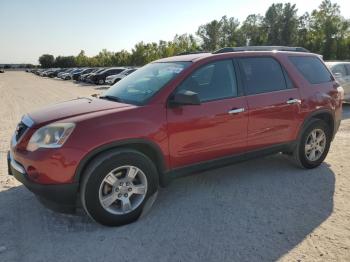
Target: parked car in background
[112,79]
[67,71]
[100,78]
[341,72]
[70,75]
[47,72]
[54,73]
[44,72]
[34,71]
[76,75]
[67,74]
[172,117]
[39,71]
[84,77]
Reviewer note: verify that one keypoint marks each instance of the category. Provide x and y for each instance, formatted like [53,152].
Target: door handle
[293,101]
[236,111]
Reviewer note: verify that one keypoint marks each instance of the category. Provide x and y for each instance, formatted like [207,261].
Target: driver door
[218,126]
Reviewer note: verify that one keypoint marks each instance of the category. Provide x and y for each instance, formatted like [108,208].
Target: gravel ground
[261,210]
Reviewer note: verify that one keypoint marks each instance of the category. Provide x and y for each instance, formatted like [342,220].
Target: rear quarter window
[312,69]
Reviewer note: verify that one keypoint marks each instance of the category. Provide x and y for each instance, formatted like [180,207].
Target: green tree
[229,33]
[182,43]
[104,58]
[47,61]
[281,24]
[144,53]
[322,31]
[65,61]
[210,35]
[304,36]
[328,29]
[121,58]
[252,30]
[82,60]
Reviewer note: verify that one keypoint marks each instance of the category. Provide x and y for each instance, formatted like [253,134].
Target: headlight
[50,136]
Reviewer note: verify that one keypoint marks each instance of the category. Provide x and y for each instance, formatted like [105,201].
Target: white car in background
[111,80]
[341,72]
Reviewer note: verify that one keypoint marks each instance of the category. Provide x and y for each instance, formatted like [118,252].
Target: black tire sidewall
[317,124]
[97,172]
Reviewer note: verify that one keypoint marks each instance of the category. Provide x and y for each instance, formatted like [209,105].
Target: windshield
[141,85]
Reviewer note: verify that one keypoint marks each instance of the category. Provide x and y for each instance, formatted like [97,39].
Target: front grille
[20,130]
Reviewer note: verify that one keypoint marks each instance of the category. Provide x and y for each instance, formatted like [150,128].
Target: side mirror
[185,97]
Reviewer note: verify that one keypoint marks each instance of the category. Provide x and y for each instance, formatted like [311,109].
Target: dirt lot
[261,210]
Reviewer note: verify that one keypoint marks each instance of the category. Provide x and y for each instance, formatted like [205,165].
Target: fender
[161,164]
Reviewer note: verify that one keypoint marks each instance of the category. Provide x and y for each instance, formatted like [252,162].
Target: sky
[29,29]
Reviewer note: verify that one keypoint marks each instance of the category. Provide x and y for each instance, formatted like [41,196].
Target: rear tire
[313,145]
[109,177]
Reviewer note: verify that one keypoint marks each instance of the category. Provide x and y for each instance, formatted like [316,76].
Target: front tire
[116,186]
[313,145]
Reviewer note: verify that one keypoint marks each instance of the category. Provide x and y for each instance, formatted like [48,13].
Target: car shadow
[253,211]
[102,87]
[83,84]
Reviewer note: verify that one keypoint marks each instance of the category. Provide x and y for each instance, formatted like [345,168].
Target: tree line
[324,31]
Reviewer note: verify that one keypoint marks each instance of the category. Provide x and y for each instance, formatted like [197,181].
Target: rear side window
[262,74]
[312,69]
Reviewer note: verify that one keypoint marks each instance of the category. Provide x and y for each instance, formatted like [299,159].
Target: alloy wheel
[315,144]
[123,190]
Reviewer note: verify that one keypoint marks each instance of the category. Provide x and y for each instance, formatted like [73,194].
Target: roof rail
[261,48]
[191,53]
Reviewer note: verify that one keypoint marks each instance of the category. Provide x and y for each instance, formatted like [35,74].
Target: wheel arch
[148,148]
[323,114]
[117,80]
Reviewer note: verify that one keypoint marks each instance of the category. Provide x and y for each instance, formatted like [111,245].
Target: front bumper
[64,195]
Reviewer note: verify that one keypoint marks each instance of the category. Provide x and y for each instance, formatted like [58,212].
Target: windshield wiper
[111,98]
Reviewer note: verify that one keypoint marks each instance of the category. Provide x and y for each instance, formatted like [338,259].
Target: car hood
[72,108]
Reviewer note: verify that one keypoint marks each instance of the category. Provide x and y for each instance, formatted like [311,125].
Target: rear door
[273,102]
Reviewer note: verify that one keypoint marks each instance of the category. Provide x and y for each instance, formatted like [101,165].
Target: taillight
[340,92]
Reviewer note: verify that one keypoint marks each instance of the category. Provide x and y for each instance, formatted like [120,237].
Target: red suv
[176,116]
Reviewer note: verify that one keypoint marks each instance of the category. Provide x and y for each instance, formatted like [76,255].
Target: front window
[144,83]
[216,80]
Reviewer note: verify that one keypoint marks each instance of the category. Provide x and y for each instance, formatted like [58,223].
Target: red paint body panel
[92,131]
[271,119]
[205,132]
[185,135]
